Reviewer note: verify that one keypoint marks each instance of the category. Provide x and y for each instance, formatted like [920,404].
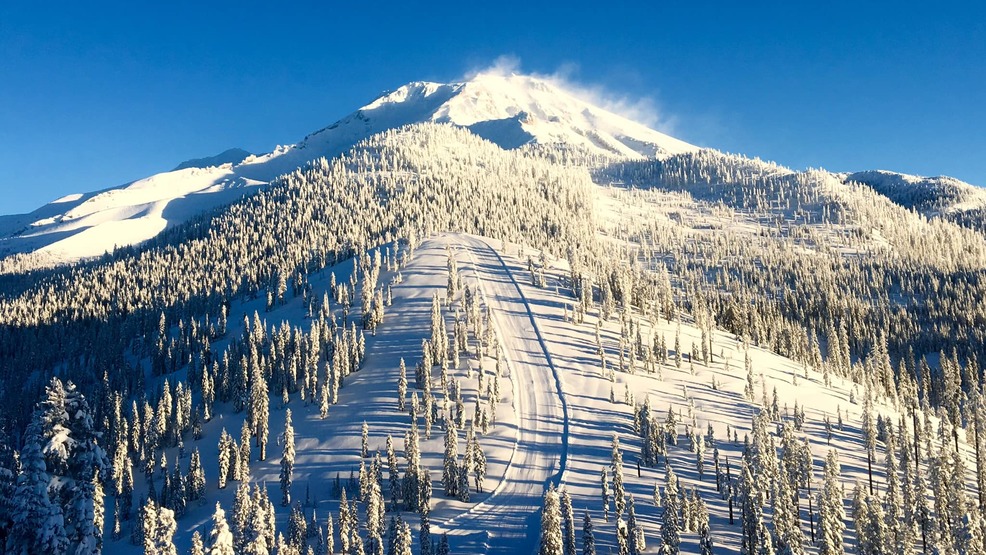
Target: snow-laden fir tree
[220,541]
[287,460]
[588,536]
[552,542]
[196,477]
[450,468]
[401,386]
[604,492]
[402,541]
[831,513]
[225,447]
[38,524]
[871,532]
[297,527]
[789,538]
[424,535]
[197,546]
[259,413]
[616,465]
[670,520]
[568,522]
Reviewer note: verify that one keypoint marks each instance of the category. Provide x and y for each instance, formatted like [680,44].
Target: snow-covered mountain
[510,111]
[701,350]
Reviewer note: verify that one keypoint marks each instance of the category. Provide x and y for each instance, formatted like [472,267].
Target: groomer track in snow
[509,519]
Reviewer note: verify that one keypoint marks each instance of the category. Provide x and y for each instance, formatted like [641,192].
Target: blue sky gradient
[93,95]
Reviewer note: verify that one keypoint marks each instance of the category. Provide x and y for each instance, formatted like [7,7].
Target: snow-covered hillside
[569,383]
[931,196]
[509,110]
[756,339]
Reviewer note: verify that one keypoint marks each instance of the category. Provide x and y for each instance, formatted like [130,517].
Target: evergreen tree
[551,528]
[616,465]
[38,524]
[161,541]
[225,447]
[196,477]
[424,536]
[401,386]
[588,537]
[871,536]
[443,547]
[450,469]
[787,526]
[831,513]
[260,411]
[329,536]
[402,543]
[670,523]
[604,490]
[220,538]
[568,523]
[287,460]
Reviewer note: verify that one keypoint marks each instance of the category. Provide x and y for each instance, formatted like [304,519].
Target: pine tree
[588,537]
[161,541]
[551,531]
[260,411]
[297,527]
[568,523]
[616,465]
[197,547]
[424,535]
[330,543]
[220,537]
[604,491]
[479,464]
[871,537]
[831,513]
[287,460]
[196,477]
[670,523]
[402,542]
[450,469]
[787,526]
[443,547]
[225,447]
[402,386]
[38,524]
[705,542]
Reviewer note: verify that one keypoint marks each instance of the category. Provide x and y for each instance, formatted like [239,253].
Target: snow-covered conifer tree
[220,540]
[287,460]
[831,513]
[551,527]
[588,536]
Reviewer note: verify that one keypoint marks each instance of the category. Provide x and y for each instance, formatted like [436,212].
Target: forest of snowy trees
[111,365]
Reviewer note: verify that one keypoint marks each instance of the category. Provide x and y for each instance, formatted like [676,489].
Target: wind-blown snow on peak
[548,114]
[509,110]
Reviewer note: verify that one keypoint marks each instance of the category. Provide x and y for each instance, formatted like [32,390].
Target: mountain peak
[510,110]
[513,109]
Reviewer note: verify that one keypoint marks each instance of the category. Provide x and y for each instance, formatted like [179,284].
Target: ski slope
[508,521]
[557,415]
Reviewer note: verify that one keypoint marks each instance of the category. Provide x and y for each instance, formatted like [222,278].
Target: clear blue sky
[95,94]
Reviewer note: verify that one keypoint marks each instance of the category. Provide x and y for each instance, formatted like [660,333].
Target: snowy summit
[509,110]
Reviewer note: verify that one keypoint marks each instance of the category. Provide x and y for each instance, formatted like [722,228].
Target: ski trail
[508,520]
